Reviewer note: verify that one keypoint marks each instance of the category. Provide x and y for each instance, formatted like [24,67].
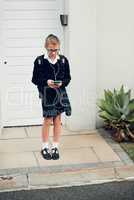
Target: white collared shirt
[51,61]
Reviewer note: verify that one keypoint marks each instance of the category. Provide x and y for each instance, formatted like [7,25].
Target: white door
[26,23]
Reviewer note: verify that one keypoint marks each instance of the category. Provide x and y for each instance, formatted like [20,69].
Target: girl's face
[52,50]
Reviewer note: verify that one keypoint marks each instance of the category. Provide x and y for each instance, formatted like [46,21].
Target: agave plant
[117,111]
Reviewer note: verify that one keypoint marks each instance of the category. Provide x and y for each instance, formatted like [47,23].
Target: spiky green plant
[117,111]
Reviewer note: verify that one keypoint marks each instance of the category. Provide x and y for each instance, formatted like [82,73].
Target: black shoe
[46,154]
[54,153]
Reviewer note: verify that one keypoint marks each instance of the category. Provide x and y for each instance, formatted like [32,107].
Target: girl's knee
[48,120]
[57,119]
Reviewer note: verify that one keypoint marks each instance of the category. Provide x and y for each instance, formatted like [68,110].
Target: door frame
[2,75]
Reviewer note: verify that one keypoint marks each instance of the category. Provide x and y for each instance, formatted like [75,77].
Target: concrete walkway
[85,158]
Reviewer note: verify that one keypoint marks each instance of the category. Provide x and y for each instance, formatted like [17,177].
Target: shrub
[117,111]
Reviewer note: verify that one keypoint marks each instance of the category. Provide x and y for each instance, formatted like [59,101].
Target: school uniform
[54,101]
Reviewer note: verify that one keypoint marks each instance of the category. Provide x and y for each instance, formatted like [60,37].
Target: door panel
[26,23]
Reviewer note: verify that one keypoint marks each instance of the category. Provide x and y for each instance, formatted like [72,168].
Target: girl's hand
[59,84]
[52,85]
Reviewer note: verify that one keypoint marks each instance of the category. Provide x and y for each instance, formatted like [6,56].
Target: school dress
[53,101]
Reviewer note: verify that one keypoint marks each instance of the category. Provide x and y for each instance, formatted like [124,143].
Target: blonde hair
[53,39]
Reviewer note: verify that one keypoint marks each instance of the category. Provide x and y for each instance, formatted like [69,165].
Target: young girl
[51,74]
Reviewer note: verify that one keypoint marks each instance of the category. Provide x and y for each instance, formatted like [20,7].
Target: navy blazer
[43,71]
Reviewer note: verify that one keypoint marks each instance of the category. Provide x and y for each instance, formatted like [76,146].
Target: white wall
[80,40]
[115,44]
[0,62]
[111,50]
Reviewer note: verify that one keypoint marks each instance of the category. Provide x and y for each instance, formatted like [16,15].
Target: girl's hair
[53,39]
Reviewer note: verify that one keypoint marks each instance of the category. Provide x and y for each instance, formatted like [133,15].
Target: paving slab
[69,156]
[17,160]
[119,151]
[105,154]
[13,182]
[35,131]
[125,172]
[20,145]
[81,177]
[15,132]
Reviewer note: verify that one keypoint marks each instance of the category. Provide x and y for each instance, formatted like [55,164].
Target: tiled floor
[20,148]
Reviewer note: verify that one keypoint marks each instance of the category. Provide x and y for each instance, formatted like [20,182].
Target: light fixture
[64,19]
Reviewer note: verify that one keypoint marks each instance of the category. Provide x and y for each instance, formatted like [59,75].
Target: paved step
[38,180]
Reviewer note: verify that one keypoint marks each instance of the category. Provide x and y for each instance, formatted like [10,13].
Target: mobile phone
[57,82]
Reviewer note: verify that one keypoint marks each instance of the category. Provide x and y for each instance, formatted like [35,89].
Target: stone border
[60,168]
[41,180]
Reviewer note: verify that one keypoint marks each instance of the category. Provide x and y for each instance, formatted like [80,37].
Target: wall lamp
[64,19]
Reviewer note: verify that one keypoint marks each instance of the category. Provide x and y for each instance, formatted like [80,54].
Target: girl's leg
[56,137]
[56,128]
[45,129]
[45,137]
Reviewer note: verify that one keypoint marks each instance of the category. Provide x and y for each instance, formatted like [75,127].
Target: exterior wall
[115,45]
[0,116]
[107,54]
[0,62]
[80,37]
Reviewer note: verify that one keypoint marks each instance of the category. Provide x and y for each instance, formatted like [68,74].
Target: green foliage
[117,110]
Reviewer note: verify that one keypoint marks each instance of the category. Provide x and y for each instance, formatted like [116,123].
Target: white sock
[55,145]
[45,145]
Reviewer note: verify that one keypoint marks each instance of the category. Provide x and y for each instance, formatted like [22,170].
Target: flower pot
[118,136]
